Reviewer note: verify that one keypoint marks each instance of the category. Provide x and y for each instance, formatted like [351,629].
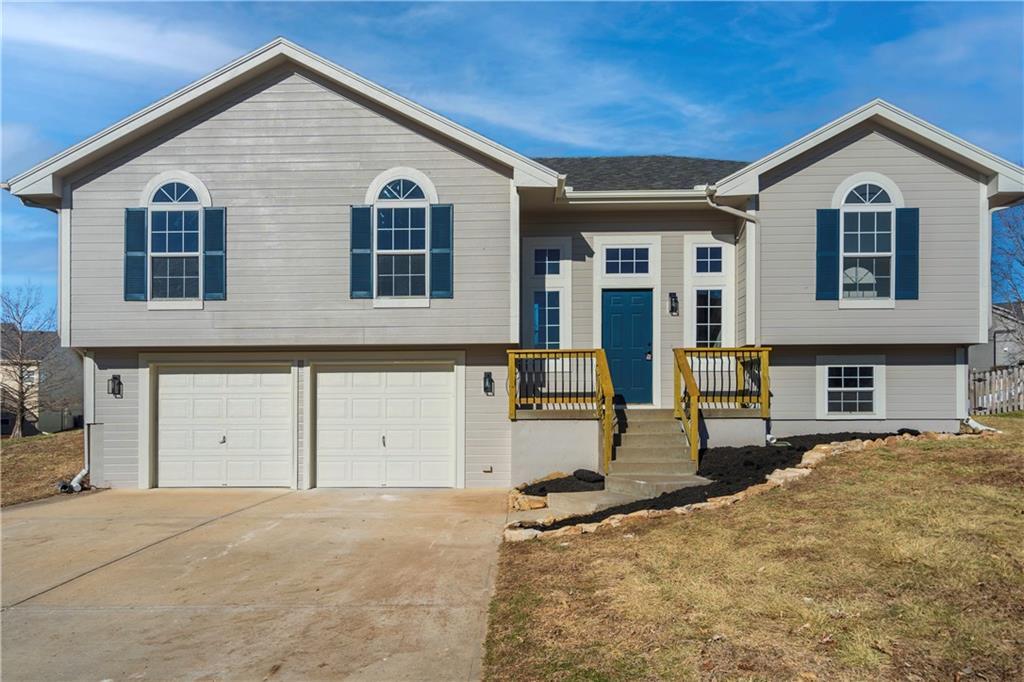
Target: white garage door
[386,426]
[224,427]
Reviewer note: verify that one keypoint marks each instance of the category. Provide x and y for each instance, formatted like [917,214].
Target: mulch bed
[730,469]
[566,484]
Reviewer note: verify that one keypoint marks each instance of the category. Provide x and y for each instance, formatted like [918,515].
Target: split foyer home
[286,275]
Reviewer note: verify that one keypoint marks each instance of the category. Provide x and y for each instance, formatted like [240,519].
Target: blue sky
[723,80]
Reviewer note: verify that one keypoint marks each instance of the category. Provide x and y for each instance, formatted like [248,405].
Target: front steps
[652,456]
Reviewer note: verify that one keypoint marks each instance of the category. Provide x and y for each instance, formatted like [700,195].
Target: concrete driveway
[249,584]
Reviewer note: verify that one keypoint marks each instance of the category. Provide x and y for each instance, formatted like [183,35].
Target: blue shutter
[907,258]
[441,235]
[361,282]
[135,254]
[828,255]
[214,254]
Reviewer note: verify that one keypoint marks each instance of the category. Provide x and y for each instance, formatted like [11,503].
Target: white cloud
[22,146]
[171,43]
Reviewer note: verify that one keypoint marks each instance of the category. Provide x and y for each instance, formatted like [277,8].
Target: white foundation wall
[115,450]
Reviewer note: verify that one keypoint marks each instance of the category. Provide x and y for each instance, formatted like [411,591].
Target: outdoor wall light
[488,383]
[114,386]
[673,304]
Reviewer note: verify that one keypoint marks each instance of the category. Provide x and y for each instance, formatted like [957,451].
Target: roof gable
[44,180]
[1005,179]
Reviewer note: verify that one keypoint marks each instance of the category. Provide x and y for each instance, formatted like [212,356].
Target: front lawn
[31,467]
[899,562]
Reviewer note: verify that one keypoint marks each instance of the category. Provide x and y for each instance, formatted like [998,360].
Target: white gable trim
[40,180]
[1007,176]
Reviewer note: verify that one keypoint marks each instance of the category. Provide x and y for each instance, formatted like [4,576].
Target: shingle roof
[38,344]
[589,173]
[1011,309]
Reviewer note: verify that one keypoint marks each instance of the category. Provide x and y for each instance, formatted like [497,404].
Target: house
[286,275]
[1003,347]
[47,377]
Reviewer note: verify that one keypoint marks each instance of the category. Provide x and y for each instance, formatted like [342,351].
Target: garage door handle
[384,441]
[223,439]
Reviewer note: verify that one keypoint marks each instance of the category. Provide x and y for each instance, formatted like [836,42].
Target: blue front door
[627,335]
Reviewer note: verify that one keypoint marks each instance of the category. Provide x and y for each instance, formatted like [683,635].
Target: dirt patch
[31,467]
[730,469]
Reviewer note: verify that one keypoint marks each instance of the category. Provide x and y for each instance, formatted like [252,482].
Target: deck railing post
[510,385]
[765,387]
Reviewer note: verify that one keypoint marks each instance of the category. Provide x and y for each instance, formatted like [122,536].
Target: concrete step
[653,440]
[638,415]
[650,486]
[566,504]
[652,426]
[678,467]
[652,454]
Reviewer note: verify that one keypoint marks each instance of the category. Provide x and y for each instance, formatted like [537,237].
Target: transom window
[851,389]
[546,316]
[401,189]
[627,261]
[174,242]
[547,261]
[867,256]
[709,259]
[709,318]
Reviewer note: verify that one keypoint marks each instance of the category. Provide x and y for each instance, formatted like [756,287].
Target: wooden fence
[997,391]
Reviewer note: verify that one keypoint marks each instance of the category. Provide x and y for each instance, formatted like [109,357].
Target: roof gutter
[709,192]
[640,196]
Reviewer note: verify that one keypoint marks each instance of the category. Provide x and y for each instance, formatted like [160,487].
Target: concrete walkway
[249,584]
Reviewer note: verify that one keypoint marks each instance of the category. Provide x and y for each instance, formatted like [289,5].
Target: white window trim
[693,311]
[399,173]
[203,195]
[651,280]
[403,301]
[707,245]
[821,394]
[724,280]
[839,202]
[625,275]
[562,283]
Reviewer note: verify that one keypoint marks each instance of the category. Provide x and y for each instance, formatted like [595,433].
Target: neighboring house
[52,377]
[1003,347]
[286,275]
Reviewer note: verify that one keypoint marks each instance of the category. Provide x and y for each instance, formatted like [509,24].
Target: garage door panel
[413,408]
[224,427]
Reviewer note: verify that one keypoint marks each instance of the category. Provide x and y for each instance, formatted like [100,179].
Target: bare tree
[33,377]
[1008,265]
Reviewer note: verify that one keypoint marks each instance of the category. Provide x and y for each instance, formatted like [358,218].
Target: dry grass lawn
[31,467]
[895,563]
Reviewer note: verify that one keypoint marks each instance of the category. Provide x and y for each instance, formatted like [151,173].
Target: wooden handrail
[564,379]
[729,378]
[690,414]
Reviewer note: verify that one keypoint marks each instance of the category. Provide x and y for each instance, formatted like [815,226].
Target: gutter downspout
[710,192]
[76,482]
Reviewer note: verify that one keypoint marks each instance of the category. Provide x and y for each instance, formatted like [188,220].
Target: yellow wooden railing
[564,380]
[734,379]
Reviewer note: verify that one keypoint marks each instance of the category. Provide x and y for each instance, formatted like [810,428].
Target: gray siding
[671,226]
[948,198]
[920,387]
[120,418]
[287,155]
[741,290]
[488,440]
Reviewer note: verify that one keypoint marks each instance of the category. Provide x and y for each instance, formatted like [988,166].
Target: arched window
[868,217]
[401,239]
[175,242]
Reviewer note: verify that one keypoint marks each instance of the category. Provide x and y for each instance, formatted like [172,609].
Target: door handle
[384,441]
[223,439]
[648,356]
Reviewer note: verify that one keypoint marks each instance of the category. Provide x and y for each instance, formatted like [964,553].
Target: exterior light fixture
[114,386]
[673,304]
[488,383]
